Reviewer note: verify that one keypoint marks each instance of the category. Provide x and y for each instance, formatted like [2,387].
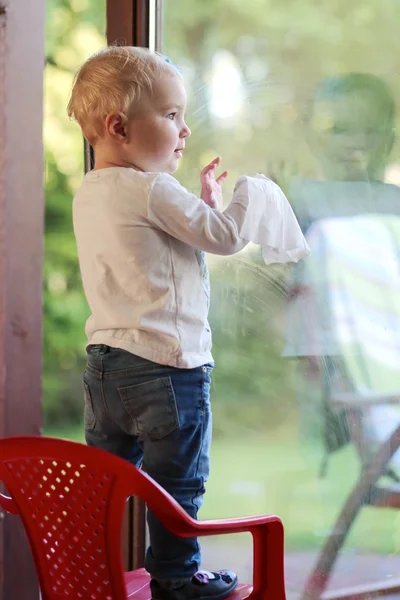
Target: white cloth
[140,238]
[270,221]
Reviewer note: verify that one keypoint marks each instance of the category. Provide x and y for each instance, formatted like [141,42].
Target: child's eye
[171,116]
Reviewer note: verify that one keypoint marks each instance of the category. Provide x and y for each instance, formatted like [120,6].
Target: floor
[351,569]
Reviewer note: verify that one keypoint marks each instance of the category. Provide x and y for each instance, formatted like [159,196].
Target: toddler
[141,239]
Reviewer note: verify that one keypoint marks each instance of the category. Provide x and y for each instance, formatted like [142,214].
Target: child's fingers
[208,169]
[222,177]
[212,165]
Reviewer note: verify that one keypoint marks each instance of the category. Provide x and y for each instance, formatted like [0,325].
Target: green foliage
[282,50]
[253,386]
[74,30]
[65,309]
[274,475]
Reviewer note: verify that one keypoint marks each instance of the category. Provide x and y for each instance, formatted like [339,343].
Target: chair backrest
[71,500]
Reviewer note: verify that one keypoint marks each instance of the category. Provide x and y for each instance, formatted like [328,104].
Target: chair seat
[384,496]
[138,586]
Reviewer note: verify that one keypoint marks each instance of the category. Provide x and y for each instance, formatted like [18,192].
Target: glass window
[307,382]
[74,30]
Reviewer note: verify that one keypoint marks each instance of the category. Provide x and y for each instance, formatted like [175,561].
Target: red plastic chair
[71,500]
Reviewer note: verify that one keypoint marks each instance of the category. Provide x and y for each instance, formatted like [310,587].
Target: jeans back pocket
[88,415]
[151,408]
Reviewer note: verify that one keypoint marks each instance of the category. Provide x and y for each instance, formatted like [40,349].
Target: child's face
[156,132]
[350,137]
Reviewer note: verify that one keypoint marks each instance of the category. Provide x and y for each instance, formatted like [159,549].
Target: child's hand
[211,190]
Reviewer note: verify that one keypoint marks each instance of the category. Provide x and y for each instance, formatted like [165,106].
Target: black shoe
[203,586]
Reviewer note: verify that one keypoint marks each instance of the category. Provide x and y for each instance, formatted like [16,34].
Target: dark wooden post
[128,23]
[21,256]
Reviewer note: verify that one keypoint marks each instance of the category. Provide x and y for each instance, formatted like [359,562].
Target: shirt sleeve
[186,217]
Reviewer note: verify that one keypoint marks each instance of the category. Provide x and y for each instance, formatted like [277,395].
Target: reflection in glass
[306,357]
[343,300]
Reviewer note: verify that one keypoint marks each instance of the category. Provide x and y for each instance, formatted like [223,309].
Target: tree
[281,50]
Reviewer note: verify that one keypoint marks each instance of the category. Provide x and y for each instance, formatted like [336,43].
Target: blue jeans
[159,418]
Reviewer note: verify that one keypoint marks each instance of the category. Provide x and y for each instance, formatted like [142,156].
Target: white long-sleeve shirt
[140,238]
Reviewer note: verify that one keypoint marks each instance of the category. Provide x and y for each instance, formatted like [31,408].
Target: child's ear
[116,126]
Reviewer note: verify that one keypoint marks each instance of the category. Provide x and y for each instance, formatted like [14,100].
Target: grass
[279,475]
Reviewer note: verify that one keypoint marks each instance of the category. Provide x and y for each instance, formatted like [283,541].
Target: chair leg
[319,578]
[268,567]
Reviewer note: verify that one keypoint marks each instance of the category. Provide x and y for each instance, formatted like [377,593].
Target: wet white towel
[270,221]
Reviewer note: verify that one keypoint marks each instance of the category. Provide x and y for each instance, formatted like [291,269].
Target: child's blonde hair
[112,80]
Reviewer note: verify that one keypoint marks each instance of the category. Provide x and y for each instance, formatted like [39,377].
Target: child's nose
[186,132]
